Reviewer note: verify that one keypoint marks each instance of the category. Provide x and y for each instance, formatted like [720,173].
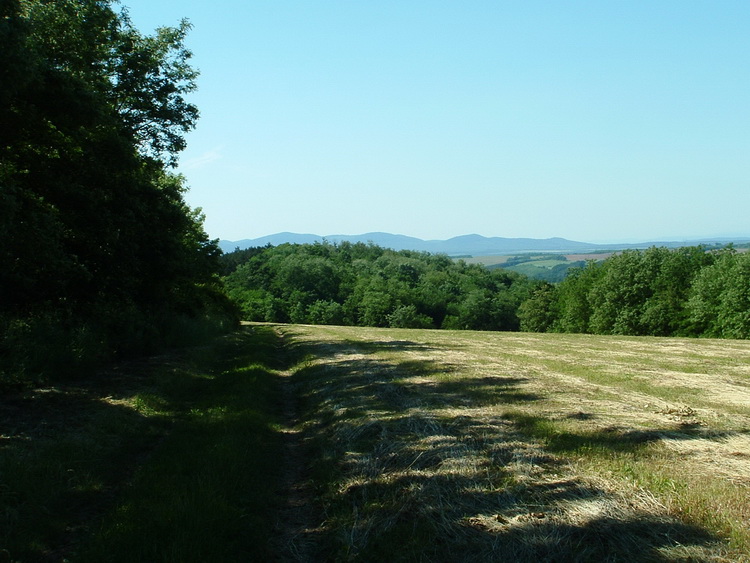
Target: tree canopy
[689,291]
[361,284]
[93,115]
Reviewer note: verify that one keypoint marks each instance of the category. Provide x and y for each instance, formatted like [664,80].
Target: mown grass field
[311,443]
[461,446]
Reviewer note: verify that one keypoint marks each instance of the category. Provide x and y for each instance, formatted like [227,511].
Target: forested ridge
[689,291]
[101,256]
[367,285]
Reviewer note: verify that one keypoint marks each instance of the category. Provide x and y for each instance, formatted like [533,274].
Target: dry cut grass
[466,446]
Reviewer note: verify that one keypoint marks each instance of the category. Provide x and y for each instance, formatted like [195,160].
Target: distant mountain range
[466,245]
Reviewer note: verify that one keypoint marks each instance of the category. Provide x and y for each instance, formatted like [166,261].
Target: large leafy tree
[719,304]
[142,80]
[93,115]
[688,291]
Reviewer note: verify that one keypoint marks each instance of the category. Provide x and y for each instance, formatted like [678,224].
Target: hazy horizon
[588,121]
[718,238]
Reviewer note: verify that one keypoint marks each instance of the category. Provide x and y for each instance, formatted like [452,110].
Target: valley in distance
[544,259]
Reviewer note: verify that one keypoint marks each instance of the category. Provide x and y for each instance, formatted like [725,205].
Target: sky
[596,121]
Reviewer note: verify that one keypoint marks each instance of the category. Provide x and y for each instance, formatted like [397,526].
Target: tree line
[689,291]
[101,256]
[365,285]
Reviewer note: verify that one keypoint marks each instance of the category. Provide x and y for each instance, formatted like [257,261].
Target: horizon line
[665,239]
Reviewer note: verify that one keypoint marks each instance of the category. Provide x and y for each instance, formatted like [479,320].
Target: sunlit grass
[478,446]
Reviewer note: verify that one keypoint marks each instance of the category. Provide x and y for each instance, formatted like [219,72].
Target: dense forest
[366,285]
[101,256]
[690,291]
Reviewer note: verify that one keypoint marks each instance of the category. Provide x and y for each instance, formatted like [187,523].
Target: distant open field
[550,267]
[461,446]
[502,259]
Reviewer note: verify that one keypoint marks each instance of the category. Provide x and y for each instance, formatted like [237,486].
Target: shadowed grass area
[177,460]
[206,493]
[593,442]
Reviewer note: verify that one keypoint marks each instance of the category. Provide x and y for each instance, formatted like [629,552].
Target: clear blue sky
[602,120]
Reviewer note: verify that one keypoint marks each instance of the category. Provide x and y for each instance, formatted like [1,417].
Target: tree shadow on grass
[374,346]
[419,517]
[613,439]
[68,452]
[64,452]
[401,477]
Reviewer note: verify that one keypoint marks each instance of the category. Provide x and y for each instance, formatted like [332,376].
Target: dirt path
[295,526]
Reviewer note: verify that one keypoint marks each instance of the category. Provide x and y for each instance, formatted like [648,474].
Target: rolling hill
[465,245]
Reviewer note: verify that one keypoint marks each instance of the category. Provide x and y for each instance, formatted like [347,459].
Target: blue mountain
[471,245]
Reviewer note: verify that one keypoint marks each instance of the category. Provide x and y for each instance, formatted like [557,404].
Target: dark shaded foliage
[101,255]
